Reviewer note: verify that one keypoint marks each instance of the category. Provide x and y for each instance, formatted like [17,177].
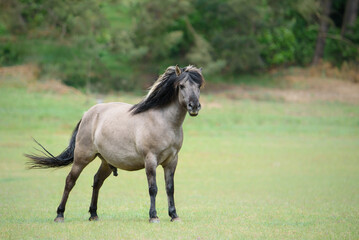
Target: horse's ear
[200,70]
[178,71]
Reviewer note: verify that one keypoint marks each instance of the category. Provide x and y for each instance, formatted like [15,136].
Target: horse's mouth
[193,114]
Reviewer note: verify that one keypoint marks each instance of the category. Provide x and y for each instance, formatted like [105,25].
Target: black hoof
[154,220]
[59,219]
[94,218]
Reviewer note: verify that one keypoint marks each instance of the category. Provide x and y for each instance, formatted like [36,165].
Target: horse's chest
[164,143]
[166,155]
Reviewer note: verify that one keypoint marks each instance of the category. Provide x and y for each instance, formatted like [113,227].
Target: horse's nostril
[190,105]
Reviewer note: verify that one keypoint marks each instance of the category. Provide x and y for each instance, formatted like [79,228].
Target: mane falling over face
[166,88]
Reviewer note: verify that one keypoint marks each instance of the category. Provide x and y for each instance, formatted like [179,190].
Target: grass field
[247,170]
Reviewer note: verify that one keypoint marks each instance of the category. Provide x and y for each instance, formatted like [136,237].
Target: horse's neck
[174,113]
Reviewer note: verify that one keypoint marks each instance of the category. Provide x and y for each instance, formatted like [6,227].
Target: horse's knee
[152,190]
[170,189]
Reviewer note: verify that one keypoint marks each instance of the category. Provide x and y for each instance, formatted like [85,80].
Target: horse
[131,137]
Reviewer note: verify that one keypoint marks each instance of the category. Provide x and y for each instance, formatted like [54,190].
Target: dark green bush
[10,53]
[339,50]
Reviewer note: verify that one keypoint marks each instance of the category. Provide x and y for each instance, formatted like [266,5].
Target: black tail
[50,161]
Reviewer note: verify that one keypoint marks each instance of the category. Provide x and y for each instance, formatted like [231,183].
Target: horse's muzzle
[193,108]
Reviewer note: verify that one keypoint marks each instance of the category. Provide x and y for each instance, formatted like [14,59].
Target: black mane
[165,89]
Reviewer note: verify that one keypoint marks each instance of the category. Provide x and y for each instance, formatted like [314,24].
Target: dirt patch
[19,75]
[300,86]
[27,76]
[52,85]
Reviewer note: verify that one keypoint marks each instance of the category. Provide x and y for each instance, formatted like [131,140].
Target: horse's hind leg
[169,170]
[103,172]
[79,164]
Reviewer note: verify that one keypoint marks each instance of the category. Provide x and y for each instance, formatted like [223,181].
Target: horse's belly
[129,163]
[120,152]
[134,161]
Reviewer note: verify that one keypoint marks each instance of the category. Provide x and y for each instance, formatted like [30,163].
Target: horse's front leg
[151,165]
[169,171]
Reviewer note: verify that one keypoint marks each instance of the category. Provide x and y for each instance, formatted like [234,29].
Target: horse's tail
[47,160]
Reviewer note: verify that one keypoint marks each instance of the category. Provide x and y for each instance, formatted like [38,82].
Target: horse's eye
[181,86]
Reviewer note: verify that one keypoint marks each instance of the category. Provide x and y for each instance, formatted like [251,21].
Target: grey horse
[131,137]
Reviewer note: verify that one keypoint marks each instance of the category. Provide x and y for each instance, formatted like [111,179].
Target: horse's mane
[164,89]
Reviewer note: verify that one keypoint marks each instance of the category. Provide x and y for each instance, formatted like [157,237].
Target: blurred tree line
[123,44]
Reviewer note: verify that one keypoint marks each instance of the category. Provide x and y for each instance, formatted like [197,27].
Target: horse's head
[189,85]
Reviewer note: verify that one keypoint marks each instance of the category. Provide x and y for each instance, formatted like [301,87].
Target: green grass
[247,170]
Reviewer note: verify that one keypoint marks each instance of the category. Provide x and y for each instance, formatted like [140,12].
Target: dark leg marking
[169,171]
[103,172]
[152,189]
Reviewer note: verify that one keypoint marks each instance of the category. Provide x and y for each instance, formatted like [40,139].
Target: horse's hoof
[95,218]
[59,219]
[177,219]
[154,220]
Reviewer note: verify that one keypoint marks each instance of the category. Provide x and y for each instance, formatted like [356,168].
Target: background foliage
[122,44]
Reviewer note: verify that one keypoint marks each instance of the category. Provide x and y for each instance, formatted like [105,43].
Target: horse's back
[106,119]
